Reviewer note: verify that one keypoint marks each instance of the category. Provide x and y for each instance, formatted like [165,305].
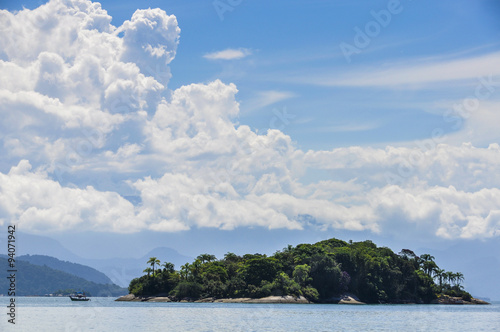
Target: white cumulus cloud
[88,118]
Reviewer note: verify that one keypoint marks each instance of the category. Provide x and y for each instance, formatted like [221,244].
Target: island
[329,271]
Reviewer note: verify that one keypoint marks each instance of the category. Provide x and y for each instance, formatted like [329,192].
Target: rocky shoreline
[288,299]
[458,300]
[269,299]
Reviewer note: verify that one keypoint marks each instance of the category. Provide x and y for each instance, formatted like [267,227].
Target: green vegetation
[319,272]
[38,280]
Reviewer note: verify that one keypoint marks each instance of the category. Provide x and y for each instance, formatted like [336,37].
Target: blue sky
[247,120]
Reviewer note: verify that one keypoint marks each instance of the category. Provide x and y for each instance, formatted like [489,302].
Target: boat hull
[79,299]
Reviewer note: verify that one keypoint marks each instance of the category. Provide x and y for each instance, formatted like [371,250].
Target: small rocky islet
[329,271]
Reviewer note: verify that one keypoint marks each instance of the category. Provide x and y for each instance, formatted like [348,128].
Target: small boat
[79,297]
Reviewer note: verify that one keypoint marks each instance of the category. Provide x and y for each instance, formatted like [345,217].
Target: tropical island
[330,271]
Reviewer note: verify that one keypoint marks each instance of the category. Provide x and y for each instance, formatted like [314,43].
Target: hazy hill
[42,245]
[78,270]
[122,270]
[41,280]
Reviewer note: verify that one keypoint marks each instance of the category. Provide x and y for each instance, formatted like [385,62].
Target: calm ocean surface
[103,314]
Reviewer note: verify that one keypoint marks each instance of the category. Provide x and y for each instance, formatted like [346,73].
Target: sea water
[104,314]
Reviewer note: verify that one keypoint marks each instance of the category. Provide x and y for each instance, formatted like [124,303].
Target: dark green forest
[320,272]
[42,280]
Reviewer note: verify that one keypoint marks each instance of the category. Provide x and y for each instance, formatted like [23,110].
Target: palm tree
[459,277]
[195,269]
[147,270]
[450,276]
[206,258]
[425,258]
[427,263]
[429,267]
[153,261]
[169,267]
[184,272]
[439,274]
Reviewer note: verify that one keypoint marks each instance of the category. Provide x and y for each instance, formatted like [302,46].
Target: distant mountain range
[119,271]
[39,280]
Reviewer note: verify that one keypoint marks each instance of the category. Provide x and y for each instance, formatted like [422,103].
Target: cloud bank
[81,99]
